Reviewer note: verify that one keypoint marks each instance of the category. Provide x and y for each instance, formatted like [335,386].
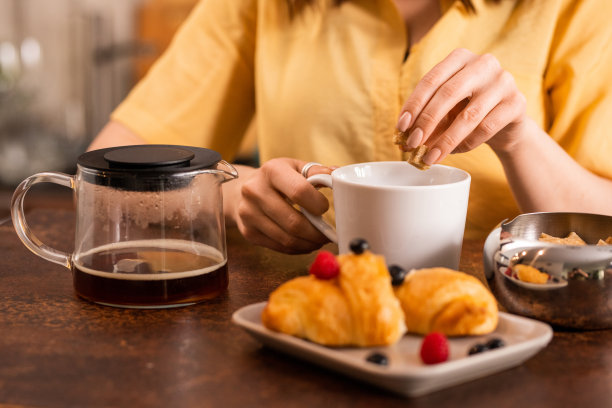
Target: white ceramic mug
[414,218]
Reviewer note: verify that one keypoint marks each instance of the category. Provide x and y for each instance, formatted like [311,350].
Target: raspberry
[434,348]
[325,266]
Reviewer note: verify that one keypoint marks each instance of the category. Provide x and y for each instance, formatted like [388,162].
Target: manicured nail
[414,139]
[431,156]
[404,121]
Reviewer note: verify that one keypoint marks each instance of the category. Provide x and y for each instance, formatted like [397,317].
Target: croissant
[447,301]
[355,308]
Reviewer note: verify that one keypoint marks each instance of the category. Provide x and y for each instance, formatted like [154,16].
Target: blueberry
[398,274]
[495,343]
[477,348]
[358,245]
[378,358]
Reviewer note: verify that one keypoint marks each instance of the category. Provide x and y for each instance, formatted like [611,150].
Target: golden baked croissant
[447,301]
[357,307]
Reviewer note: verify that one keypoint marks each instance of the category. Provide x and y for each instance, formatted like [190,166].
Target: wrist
[517,138]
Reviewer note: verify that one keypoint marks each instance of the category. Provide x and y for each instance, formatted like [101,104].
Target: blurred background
[64,65]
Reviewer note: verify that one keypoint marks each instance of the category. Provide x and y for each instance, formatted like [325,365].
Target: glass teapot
[150,230]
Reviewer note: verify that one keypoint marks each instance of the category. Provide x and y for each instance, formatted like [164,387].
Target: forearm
[543,177]
[115,134]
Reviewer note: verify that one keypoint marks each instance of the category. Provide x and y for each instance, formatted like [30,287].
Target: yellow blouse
[328,83]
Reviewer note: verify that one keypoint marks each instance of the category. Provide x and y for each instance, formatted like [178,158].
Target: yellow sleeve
[579,82]
[201,90]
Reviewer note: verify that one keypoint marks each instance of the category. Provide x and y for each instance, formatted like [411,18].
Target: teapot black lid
[150,158]
[135,167]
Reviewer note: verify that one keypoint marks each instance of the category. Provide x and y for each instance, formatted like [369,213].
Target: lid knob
[147,156]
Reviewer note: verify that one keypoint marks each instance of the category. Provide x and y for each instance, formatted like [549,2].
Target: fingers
[260,229]
[465,84]
[495,123]
[462,102]
[295,188]
[266,215]
[429,84]
[318,169]
[467,120]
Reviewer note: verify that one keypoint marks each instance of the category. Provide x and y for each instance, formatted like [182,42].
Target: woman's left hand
[465,100]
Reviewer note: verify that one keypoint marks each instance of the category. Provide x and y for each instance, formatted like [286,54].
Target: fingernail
[404,121]
[431,156]
[414,139]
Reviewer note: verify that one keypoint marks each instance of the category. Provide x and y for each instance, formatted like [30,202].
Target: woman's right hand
[261,205]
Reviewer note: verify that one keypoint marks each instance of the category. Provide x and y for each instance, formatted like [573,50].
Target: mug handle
[21,226]
[319,180]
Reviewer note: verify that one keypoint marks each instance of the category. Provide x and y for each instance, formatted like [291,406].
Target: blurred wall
[64,65]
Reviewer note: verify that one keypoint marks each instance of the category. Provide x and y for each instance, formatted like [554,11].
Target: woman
[521,89]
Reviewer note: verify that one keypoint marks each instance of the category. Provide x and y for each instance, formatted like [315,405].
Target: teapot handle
[21,226]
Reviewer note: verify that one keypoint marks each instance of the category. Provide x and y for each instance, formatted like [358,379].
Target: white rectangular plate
[406,374]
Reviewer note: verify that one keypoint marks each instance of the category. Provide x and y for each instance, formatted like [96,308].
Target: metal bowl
[578,294]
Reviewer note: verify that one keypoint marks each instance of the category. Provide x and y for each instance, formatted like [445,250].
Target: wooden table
[59,351]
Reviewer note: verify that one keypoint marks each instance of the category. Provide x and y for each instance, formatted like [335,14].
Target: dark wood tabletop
[57,350]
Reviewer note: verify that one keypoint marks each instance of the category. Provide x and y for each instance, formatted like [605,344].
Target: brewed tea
[150,273]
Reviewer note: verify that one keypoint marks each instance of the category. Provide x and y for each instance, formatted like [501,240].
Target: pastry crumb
[399,137]
[527,273]
[571,239]
[415,157]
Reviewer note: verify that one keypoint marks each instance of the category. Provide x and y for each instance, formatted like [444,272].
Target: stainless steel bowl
[579,293]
